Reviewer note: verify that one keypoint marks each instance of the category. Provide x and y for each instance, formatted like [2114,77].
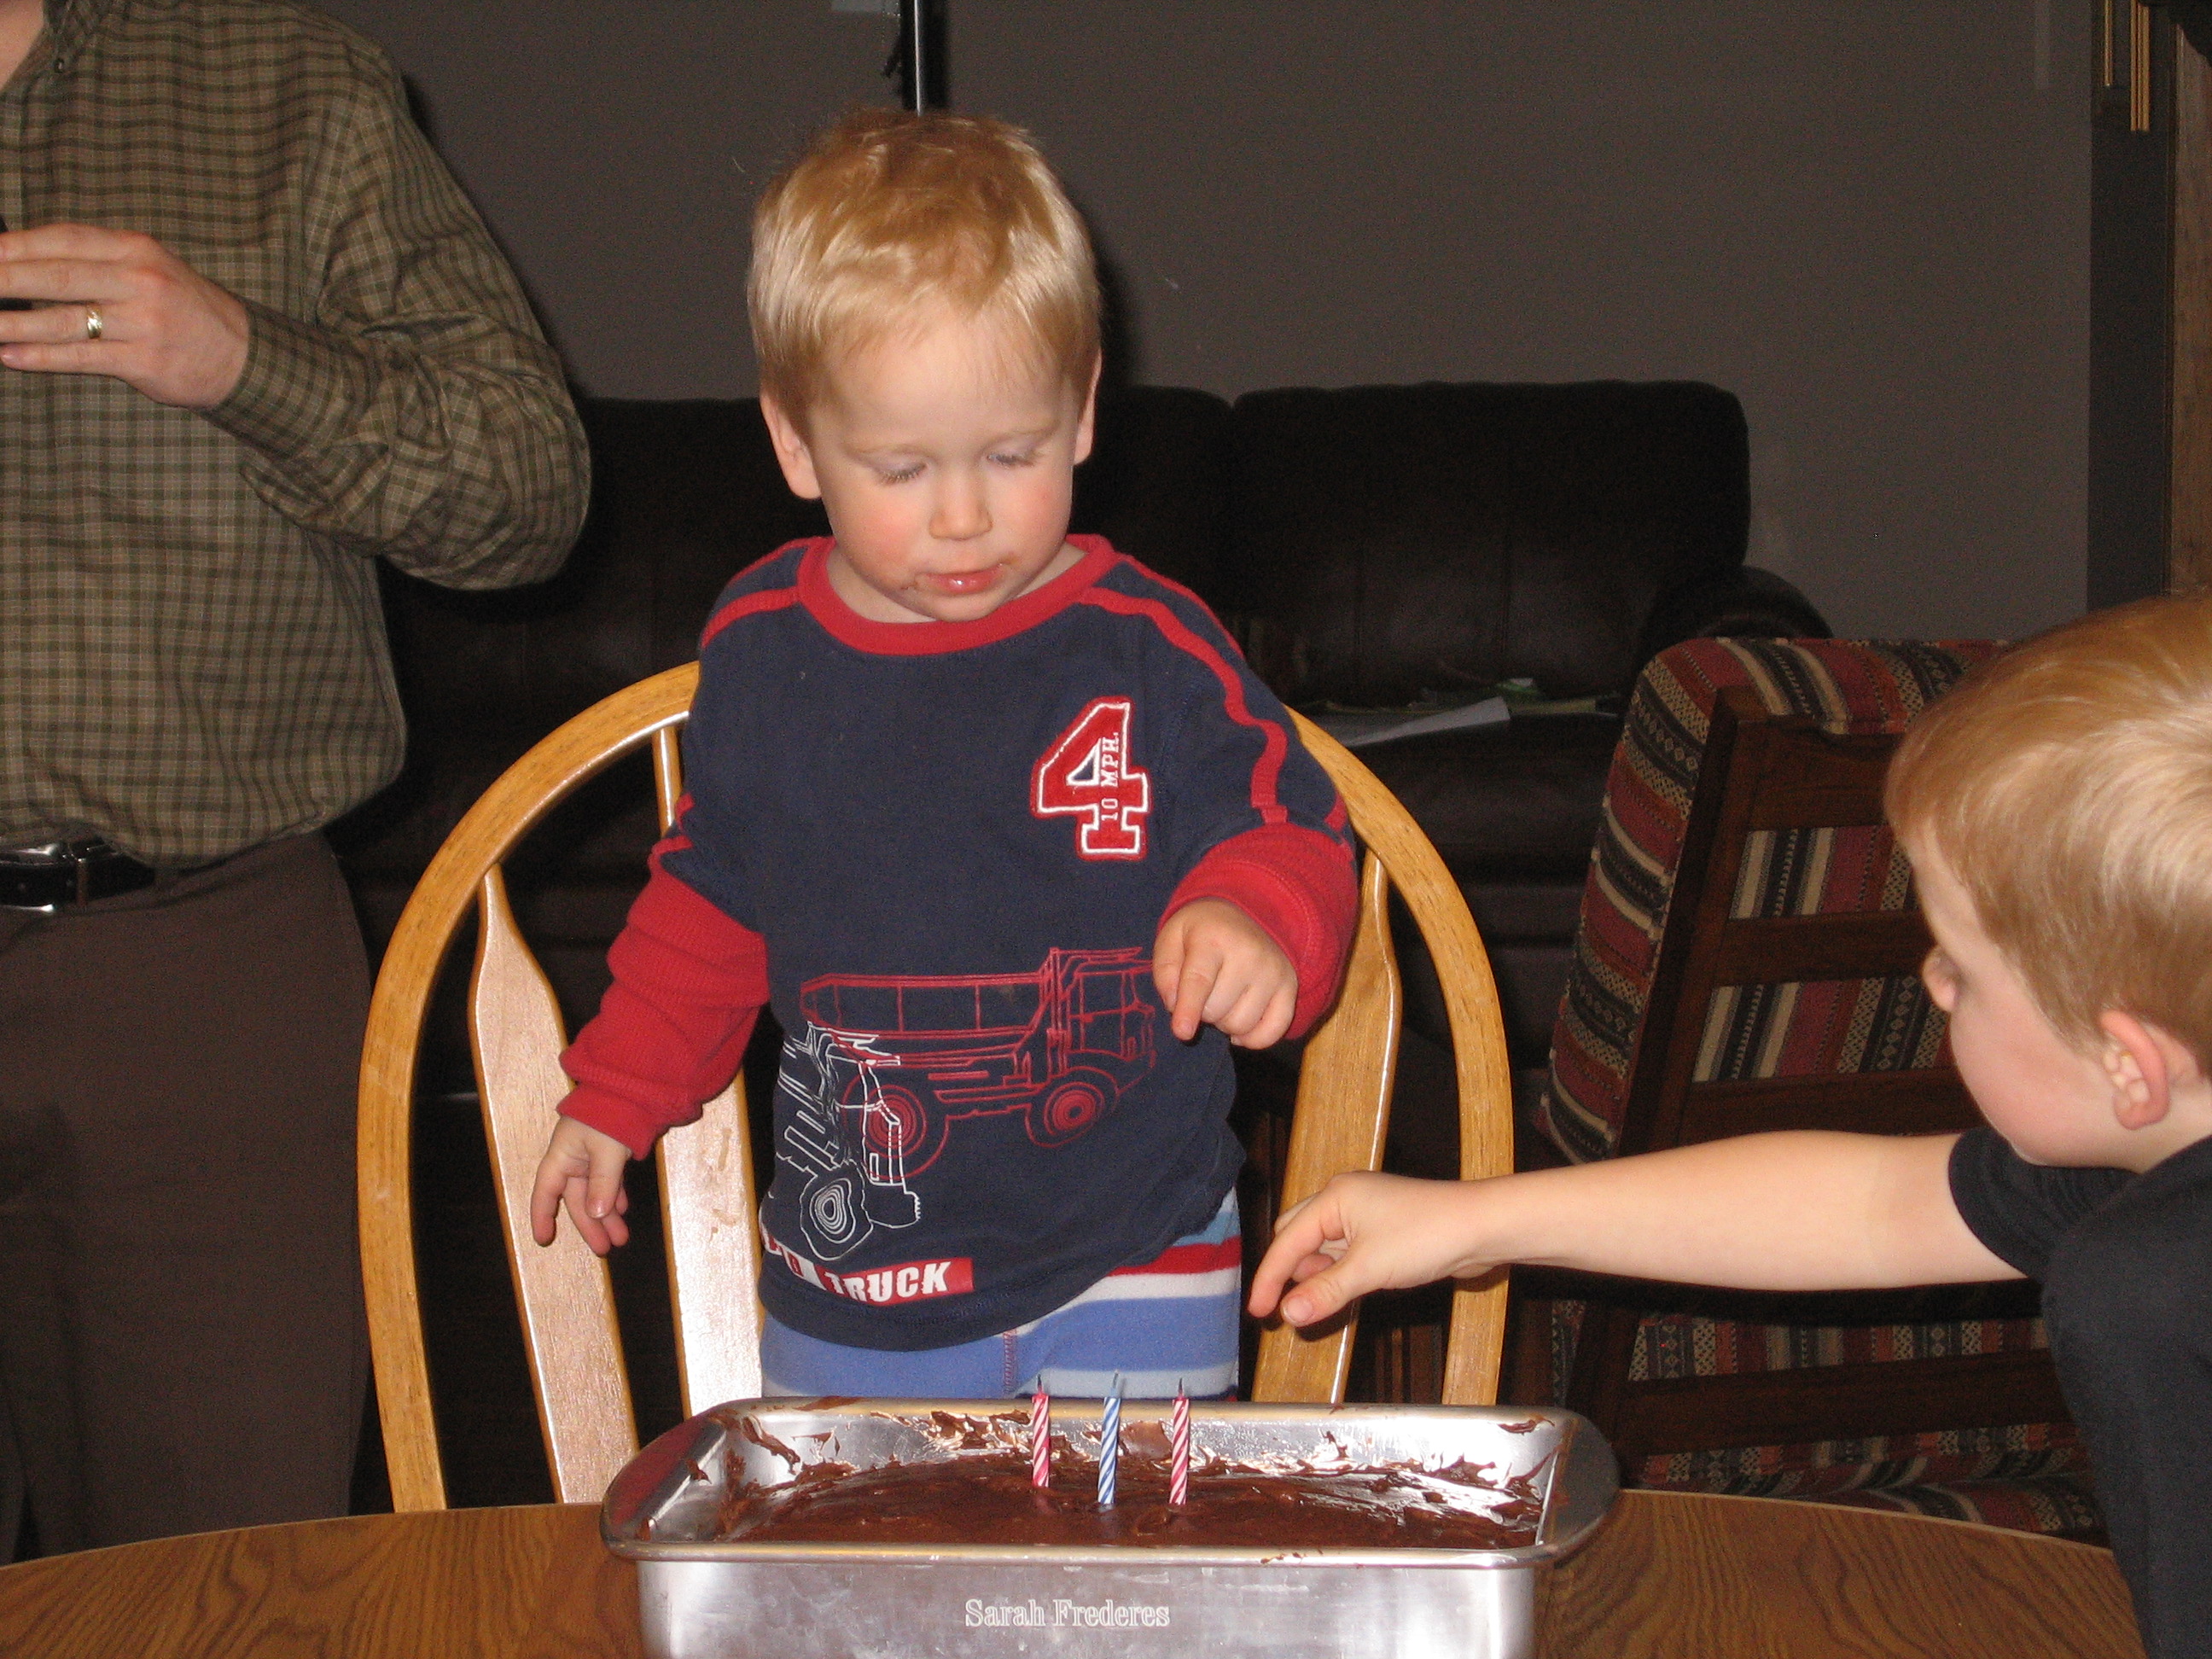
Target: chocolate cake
[983,1495]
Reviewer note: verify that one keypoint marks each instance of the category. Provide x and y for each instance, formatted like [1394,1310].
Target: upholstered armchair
[1745,960]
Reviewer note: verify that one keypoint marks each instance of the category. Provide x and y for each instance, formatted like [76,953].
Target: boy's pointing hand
[1369,1233]
[1215,966]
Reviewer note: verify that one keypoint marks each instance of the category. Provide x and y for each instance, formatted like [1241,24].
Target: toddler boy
[997,820]
[2057,808]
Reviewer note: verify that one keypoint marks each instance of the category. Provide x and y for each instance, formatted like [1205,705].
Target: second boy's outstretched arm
[1799,1210]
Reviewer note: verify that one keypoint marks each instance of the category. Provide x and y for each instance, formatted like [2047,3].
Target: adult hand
[162,327]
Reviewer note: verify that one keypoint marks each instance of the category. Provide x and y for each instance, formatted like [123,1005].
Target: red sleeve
[1297,884]
[672,1030]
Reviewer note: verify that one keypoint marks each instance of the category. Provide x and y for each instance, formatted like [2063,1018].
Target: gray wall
[1868,219]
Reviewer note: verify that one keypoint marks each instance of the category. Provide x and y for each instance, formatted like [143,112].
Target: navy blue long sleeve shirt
[942,851]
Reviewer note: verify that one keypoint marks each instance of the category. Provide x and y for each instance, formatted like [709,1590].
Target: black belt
[73,872]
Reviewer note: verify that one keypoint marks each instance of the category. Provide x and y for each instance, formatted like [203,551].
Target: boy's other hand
[583,1168]
[1362,1233]
[1214,965]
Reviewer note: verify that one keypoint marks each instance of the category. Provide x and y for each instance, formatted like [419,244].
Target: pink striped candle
[1179,1449]
[1040,1439]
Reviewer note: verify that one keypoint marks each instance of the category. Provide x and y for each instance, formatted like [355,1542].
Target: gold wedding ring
[94,327]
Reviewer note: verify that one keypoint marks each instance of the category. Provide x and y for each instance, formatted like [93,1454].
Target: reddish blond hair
[2068,785]
[889,215]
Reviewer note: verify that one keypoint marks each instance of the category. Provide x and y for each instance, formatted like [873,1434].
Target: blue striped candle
[1109,1445]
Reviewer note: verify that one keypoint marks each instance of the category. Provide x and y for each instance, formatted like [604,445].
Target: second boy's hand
[1215,966]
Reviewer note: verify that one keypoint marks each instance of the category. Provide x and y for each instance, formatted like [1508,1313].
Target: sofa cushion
[1519,799]
[1386,542]
[1512,809]
[1157,483]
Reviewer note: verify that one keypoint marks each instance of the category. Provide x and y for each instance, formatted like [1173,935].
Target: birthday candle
[1040,1439]
[1109,1445]
[1179,1446]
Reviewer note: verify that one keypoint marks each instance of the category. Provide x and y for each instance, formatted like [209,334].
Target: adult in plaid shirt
[266,341]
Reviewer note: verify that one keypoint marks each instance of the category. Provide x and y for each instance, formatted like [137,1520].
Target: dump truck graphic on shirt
[887,1066]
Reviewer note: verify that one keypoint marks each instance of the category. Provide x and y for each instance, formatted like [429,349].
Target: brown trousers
[181,1341]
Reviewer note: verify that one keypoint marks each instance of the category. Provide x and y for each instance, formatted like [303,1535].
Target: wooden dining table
[1669,1574]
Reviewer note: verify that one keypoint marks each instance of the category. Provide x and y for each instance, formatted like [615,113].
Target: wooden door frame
[2189,513]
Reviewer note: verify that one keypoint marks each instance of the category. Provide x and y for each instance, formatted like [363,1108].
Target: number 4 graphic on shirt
[1087,772]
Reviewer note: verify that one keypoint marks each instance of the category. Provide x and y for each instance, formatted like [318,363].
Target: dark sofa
[1370,546]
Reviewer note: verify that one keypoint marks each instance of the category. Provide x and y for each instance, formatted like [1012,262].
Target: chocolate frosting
[985,1498]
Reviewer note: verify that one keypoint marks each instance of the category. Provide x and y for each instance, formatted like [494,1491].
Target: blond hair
[2068,785]
[889,214]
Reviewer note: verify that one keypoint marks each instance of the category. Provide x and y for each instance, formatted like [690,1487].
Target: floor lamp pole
[923,83]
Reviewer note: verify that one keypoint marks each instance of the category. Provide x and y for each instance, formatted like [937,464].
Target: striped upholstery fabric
[2028,1477]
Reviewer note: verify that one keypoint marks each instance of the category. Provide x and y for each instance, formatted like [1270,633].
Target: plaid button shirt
[193,657]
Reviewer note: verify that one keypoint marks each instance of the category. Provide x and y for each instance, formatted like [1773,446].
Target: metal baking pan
[709,1599]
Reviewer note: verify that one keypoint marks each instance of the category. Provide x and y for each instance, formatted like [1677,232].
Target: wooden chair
[1749,960]
[707,1181]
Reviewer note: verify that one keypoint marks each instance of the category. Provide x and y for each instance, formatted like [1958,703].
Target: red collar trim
[923,639]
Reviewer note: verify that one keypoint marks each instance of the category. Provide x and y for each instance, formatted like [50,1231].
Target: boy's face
[946,462]
[2052,1103]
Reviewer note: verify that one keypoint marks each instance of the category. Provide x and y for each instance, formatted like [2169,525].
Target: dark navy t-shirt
[2125,1262]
